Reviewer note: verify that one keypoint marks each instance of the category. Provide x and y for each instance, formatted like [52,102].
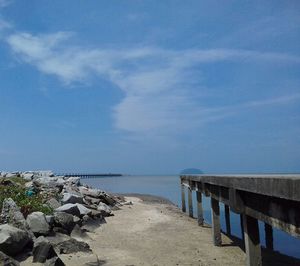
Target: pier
[84,176]
[272,199]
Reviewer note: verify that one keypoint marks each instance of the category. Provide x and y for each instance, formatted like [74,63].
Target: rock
[73,180]
[12,239]
[53,203]
[76,220]
[56,261]
[58,238]
[104,209]
[38,223]
[27,176]
[42,250]
[71,198]
[7,261]
[90,200]
[90,225]
[60,230]
[29,184]
[47,173]
[83,210]
[65,220]
[69,208]
[9,175]
[94,193]
[74,209]
[96,214]
[72,246]
[11,214]
[50,219]
[78,234]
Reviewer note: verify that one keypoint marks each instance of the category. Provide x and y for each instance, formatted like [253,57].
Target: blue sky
[150,86]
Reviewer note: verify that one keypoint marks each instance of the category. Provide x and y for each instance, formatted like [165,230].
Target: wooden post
[183,198]
[227,220]
[190,201]
[199,208]
[242,227]
[215,222]
[269,236]
[252,242]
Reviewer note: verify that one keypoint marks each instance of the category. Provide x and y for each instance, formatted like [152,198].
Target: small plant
[27,204]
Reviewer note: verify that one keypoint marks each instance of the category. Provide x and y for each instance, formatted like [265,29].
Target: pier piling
[183,205]
[199,208]
[252,242]
[215,222]
[190,201]
[269,236]
[227,220]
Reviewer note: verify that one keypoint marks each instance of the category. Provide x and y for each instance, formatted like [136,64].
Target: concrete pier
[272,199]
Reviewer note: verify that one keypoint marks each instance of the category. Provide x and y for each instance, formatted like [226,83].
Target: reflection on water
[169,187]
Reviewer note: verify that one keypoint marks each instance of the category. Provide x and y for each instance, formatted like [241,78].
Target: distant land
[191,171]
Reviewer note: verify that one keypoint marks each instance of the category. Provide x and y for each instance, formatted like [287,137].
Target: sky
[150,87]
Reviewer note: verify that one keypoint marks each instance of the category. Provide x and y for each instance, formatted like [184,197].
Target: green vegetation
[17,192]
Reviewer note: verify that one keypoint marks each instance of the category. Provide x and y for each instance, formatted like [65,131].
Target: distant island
[191,171]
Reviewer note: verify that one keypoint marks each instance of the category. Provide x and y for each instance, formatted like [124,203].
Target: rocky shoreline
[44,216]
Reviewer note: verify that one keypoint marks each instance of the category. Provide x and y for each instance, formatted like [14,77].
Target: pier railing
[272,199]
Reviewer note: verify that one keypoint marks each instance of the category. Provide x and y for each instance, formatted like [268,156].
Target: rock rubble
[75,210]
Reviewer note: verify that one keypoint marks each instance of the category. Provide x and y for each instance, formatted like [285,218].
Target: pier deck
[273,199]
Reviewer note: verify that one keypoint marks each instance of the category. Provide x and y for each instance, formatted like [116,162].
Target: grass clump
[27,204]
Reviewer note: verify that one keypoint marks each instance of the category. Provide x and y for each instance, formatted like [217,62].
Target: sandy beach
[153,233]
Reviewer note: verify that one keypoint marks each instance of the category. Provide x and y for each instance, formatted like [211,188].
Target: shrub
[27,204]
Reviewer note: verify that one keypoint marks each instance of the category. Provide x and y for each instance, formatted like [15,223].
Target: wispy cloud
[158,86]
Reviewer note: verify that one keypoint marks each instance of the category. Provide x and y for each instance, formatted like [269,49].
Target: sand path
[159,234]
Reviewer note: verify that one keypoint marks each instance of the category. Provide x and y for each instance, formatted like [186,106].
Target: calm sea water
[169,187]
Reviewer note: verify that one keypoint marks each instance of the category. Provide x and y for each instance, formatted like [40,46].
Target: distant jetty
[89,175]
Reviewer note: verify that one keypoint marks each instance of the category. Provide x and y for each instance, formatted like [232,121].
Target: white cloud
[159,93]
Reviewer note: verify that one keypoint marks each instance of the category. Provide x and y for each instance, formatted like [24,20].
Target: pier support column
[199,208]
[269,236]
[183,206]
[242,228]
[227,220]
[215,222]
[190,201]
[252,242]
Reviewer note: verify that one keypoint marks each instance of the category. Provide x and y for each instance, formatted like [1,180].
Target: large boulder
[7,261]
[64,220]
[91,192]
[12,239]
[104,209]
[42,250]
[38,223]
[91,200]
[74,209]
[11,214]
[53,203]
[71,198]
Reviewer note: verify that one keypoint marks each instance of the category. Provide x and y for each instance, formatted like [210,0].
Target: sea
[169,188]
